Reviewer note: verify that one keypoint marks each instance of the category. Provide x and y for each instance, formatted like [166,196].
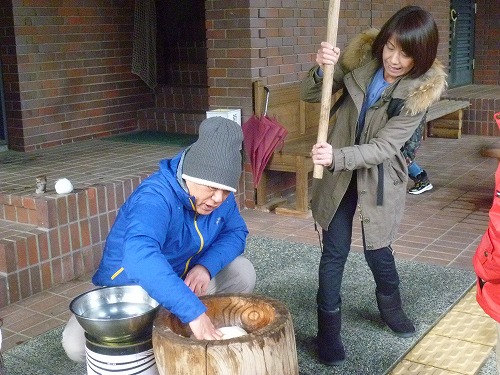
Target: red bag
[486,260]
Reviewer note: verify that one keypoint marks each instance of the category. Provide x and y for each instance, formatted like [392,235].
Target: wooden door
[461,50]
[3,118]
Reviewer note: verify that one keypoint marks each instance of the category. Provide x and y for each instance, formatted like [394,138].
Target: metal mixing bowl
[116,313]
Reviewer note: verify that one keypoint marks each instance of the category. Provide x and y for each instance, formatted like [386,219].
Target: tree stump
[268,349]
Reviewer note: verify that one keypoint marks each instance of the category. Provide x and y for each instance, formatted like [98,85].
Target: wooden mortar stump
[268,349]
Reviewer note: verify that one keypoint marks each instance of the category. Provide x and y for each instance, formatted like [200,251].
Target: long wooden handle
[326,93]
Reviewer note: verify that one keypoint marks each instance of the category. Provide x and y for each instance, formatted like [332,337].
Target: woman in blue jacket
[180,234]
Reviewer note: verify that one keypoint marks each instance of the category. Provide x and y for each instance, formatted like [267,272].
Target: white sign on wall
[230,113]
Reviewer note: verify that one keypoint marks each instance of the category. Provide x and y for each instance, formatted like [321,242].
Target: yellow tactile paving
[458,344]
[448,353]
[411,368]
[469,305]
[467,327]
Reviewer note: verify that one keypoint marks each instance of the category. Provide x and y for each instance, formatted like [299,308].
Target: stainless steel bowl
[116,313]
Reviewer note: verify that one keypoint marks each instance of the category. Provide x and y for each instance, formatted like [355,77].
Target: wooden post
[326,93]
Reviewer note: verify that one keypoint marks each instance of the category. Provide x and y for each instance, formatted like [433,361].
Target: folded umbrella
[261,137]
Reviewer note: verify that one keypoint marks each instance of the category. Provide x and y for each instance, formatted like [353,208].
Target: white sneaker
[420,187]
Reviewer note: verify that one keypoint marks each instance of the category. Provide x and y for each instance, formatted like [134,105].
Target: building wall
[487,44]
[275,41]
[67,77]
[67,71]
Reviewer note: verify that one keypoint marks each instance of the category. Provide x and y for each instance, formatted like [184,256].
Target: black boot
[393,315]
[330,348]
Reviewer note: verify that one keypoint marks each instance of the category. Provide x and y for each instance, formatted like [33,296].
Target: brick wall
[64,238]
[487,44]
[276,41]
[67,75]
[178,109]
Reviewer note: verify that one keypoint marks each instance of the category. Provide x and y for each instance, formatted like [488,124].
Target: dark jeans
[336,246]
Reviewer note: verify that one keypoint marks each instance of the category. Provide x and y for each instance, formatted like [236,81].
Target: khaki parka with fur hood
[378,152]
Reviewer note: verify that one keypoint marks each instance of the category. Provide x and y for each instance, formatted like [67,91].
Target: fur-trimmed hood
[422,91]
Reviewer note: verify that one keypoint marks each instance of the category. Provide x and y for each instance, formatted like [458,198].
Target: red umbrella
[261,136]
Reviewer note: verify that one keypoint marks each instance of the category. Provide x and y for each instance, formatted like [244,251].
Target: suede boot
[330,348]
[393,315]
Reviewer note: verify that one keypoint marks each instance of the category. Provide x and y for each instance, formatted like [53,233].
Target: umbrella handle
[266,89]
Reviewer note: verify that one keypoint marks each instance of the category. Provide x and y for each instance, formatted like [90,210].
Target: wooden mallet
[326,93]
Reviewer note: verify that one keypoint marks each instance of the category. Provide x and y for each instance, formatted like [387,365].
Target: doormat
[287,271]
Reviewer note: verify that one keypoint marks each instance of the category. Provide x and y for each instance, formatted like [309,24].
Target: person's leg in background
[420,178]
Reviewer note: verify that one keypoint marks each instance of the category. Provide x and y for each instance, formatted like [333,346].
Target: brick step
[178,109]
[193,97]
[50,209]
[169,114]
[49,239]
[24,253]
[484,103]
[33,259]
[171,120]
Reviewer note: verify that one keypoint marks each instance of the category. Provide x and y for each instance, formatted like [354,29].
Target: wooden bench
[444,119]
[301,120]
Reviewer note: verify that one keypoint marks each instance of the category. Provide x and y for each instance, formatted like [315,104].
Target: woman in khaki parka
[364,167]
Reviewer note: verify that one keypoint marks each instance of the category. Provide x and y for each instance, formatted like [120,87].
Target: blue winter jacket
[158,236]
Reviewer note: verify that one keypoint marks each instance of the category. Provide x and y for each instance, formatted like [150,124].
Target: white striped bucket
[120,358]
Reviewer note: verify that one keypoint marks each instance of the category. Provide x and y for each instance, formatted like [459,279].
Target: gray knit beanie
[215,158]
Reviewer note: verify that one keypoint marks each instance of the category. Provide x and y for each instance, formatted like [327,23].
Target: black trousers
[336,246]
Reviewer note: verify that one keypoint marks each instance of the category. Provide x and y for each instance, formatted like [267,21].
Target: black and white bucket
[104,358]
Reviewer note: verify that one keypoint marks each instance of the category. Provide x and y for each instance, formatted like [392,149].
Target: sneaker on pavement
[420,187]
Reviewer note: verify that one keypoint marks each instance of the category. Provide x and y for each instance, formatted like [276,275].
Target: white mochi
[232,332]
[63,186]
